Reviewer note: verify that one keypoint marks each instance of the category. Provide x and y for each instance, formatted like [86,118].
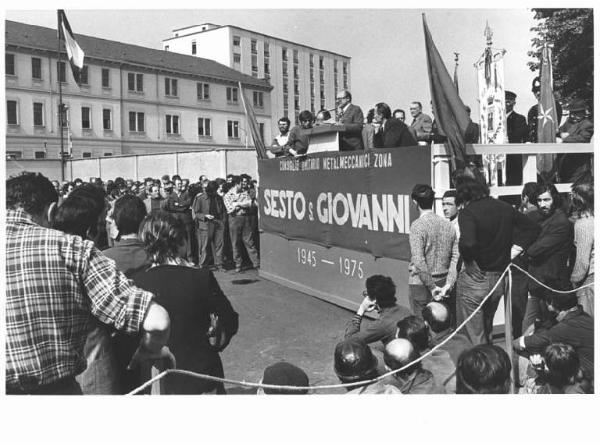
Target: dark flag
[450,113]
[74,51]
[547,118]
[252,126]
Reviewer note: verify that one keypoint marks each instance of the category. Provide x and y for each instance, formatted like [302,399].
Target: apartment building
[132,99]
[302,77]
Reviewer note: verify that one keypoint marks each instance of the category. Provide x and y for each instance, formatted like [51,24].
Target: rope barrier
[353,384]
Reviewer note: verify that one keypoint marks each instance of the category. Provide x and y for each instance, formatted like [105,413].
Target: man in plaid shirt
[54,283]
[238,204]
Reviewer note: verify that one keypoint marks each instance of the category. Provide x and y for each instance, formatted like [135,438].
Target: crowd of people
[384,128]
[101,277]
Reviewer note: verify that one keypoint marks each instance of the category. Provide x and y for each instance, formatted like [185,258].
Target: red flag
[547,118]
[450,112]
[252,126]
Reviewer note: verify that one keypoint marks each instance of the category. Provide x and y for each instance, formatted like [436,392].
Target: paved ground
[277,323]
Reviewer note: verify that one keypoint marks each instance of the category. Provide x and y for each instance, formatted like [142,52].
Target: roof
[253,32]
[41,38]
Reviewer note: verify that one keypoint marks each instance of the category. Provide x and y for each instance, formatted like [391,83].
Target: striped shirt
[433,249]
[584,243]
[53,282]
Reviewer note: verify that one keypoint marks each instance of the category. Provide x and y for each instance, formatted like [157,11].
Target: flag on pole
[74,51]
[547,118]
[450,112]
[252,126]
[456,72]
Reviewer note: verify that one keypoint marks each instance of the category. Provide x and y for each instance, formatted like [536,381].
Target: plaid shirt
[53,282]
[231,198]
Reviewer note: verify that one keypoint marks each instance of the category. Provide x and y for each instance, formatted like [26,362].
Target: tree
[571,33]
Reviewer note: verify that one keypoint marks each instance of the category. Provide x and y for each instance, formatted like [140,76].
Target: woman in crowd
[582,204]
[194,302]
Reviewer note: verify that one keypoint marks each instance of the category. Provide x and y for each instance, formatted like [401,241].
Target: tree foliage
[571,34]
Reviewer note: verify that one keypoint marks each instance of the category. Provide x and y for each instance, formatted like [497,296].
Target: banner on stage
[356,200]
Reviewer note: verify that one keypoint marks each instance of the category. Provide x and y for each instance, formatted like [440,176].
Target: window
[345,68]
[172,123]
[267,70]
[108,154]
[107,119]
[171,87]
[193,47]
[105,78]
[258,99]
[84,75]
[65,115]
[233,128]
[203,91]
[61,72]
[321,63]
[236,40]
[297,103]
[284,54]
[166,47]
[38,114]
[254,65]
[86,122]
[14,155]
[36,68]
[11,112]
[285,85]
[284,69]
[267,51]
[9,61]
[295,56]
[312,60]
[135,82]
[237,58]
[232,95]
[39,154]
[204,127]
[253,49]
[86,154]
[296,88]
[136,121]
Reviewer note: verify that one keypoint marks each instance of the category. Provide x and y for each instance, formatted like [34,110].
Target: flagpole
[60,105]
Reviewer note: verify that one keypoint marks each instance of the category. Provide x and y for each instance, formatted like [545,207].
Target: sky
[386,45]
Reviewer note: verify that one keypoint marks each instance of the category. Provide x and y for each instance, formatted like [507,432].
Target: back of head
[381,289]
[370,115]
[562,364]
[414,329]
[284,374]
[469,190]
[31,192]
[530,191]
[483,369]
[128,213]
[423,195]
[162,235]
[81,211]
[401,352]
[211,187]
[354,361]
[437,316]
[561,302]
[582,198]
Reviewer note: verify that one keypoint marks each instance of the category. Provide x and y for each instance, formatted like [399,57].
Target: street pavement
[280,324]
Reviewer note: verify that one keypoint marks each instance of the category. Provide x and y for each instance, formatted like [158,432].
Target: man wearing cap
[577,129]
[532,115]
[516,128]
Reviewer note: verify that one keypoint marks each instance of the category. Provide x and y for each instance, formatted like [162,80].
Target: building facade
[131,100]
[302,77]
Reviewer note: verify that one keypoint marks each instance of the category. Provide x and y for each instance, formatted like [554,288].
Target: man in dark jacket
[392,132]
[488,230]
[350,120]
[210,215]
[549,254]
[516,128]
[179,203]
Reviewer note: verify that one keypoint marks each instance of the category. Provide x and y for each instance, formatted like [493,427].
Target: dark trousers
[240,228]
[66,386]
[419,296]
[189,240]
[210,235]
[470,293]
[518,297]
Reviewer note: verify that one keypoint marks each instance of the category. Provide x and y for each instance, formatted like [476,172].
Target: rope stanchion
[358,383]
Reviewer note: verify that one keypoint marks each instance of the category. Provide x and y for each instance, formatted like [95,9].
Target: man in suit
[421,123]
[392,132]
[577,129]
[350,118]
[516,128]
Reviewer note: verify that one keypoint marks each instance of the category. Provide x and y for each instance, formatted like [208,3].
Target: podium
[324,138]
